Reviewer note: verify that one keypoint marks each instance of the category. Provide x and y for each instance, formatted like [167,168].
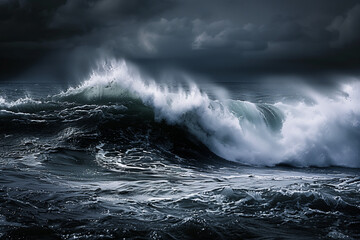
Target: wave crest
[326,133]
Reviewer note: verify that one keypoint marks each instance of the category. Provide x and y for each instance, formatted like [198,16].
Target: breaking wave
[325,132]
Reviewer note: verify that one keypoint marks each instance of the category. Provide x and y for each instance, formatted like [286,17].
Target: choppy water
[121,156]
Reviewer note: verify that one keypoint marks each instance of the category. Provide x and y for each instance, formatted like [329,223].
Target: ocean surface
[123,156]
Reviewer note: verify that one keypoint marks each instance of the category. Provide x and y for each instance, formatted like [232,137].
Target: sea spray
[324,133]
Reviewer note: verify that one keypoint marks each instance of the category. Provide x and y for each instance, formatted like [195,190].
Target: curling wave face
[325,132]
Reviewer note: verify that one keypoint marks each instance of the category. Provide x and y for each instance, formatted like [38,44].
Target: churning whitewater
[322,132]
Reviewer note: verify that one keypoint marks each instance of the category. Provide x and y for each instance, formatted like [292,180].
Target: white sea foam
[17,103]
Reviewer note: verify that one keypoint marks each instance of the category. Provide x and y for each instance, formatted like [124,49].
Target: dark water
[97,162]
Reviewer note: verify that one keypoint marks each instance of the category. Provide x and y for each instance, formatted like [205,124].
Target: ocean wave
[323,133]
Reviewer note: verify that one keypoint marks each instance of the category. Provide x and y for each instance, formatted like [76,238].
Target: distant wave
[324,133]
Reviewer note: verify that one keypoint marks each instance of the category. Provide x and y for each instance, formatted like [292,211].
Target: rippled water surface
[70,194]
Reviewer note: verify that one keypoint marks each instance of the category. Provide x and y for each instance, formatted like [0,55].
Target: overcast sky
[63,38]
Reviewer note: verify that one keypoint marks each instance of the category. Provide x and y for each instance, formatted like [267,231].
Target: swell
[324,133]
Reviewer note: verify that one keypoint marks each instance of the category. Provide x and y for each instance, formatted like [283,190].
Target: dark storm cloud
[347,28]
[211,35]
[33,31]
[85,15]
